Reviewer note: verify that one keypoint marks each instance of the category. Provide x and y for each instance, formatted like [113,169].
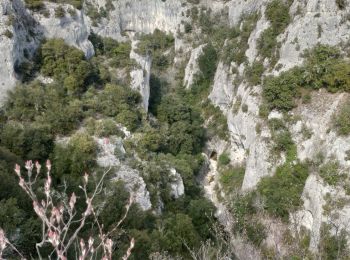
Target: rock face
[319,22]
[140,16]
[17,42]
[140,75]
[312,22]
[177,186]
[133,181]
[73,28]
[192,66]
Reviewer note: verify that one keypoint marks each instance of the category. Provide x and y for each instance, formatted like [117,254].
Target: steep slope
[230,53]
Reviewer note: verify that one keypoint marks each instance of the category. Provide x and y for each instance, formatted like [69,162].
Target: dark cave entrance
[213,155]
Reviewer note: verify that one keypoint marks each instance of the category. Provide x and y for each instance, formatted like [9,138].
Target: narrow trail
[210,182]
[240,248]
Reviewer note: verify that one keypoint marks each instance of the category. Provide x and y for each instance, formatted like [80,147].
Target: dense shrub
[324,67]
[341,4]
[330,173]
[237,40]
[282,192]
[341,119]
[231,178]
[66,64]
[76,158]
[207,62]
[117,53]
[121,103]
[333,246]
[254,72]
[277,12]
[154,42]
[224,159]
[280,92]
[185,134]
[38,5]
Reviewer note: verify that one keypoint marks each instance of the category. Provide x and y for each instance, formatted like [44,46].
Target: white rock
[141,17]
[223,89]
[177,186]
[74,30]
[192,68]
[140,77]
[134,183]
[14,18]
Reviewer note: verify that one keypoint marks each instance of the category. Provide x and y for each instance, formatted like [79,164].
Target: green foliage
[341,4]
[207,62]
[333,246]
[60,12]
[180,230]
[277,12]
[8,34]
[246,224]
[280,92]
[282,192]
[117,53]
[224,159]
[283,139]
[202,213]
[29,142]
[231,178]
[35,5]
[103,128]
[156,44]
[341,120]
[217,123]
[237,43]
[121,103]
[330,173]
[185,134]
[254,73]
[75,158]
[38,5]
[157,41]
[256,233]
[66,64]
[324,67]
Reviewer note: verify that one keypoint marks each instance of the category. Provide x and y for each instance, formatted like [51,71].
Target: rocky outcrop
[192,68]
[140,75]
[317,21]
[131,177]
[17,42]
[73,27]
[140,16]
[177,185]
[223,89]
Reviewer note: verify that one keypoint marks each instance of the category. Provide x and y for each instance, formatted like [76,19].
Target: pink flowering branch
[4,242]
[57,219]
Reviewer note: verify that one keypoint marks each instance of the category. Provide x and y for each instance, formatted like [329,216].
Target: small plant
[342,120]
[330,173]
[254,72]
[282,192]
[341,4]
[232,178]
[60,12]
[244,108]
[224,159]
[8,34]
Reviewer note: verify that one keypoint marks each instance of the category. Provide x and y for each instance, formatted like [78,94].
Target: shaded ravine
[210,183]
[211,186]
